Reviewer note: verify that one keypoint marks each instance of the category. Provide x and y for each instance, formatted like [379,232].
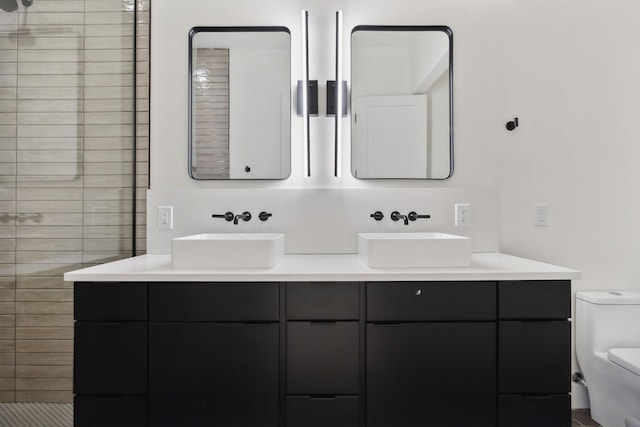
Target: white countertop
[315,268]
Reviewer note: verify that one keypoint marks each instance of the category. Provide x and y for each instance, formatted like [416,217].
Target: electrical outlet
[542,216]
[165,217]
[463,215]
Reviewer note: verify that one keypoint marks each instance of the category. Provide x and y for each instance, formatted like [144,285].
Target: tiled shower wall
[67,175]
[210,79]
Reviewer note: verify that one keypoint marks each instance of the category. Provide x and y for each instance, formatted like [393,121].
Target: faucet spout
[245,216]
[395,215]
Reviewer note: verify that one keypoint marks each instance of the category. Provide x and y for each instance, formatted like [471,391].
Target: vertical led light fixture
[339,98]
[306,146]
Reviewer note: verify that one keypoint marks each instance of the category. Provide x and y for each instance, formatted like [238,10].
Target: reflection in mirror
[402,102]
[240,103]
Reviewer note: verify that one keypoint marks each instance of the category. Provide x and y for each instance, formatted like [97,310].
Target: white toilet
[608,349]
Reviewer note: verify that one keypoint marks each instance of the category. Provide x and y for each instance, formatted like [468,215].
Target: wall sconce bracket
[312,98]
[332,95]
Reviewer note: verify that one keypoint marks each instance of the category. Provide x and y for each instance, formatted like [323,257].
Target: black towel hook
[512,124]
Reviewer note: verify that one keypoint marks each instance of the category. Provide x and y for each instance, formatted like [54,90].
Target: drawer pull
[322,397]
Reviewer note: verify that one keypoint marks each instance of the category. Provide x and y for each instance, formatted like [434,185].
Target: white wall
[383,70]
[438,126]
[257,127]
[323,220]
[172,21]
[567,68]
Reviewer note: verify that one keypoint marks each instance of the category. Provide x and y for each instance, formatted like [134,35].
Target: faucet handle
[228,216]
[377,215]
[396,216]
[263,216]
[413,216]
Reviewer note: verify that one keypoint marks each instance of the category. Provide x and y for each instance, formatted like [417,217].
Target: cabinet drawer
[122,411]
[322,358]
[110,301]
[534,411]
[534,357]
[207,410]
[426,301]
[323,301]
[338,411]
[201,302]
[110,358]
[544,299]
[222,359]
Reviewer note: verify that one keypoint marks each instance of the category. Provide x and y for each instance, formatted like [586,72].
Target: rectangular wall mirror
[402,102]
[239,103]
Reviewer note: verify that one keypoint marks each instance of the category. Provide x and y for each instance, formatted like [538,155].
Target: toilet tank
[607,319]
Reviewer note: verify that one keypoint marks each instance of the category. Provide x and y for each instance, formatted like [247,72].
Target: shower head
[9,5]
[12,5]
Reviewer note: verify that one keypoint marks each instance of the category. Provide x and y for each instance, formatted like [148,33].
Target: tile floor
[581,418]
[36,415]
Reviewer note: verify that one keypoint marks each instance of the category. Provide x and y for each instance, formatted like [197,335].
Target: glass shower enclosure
[73,171]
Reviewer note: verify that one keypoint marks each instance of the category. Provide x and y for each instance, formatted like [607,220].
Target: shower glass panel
[68,175]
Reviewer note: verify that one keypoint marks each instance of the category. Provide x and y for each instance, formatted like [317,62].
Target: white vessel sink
[414,250]
[227,250]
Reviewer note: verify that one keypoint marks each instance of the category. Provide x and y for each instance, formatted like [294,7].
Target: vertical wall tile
[66,163]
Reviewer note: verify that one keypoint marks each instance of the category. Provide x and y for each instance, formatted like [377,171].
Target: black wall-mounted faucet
[245,216]
[396,216]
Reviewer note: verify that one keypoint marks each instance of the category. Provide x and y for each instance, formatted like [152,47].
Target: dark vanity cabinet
[534,353]
[110,354]
[322,354]
[431,354]
[213,354]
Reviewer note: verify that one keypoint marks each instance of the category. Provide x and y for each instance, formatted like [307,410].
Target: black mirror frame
[442,28]
[192,32]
